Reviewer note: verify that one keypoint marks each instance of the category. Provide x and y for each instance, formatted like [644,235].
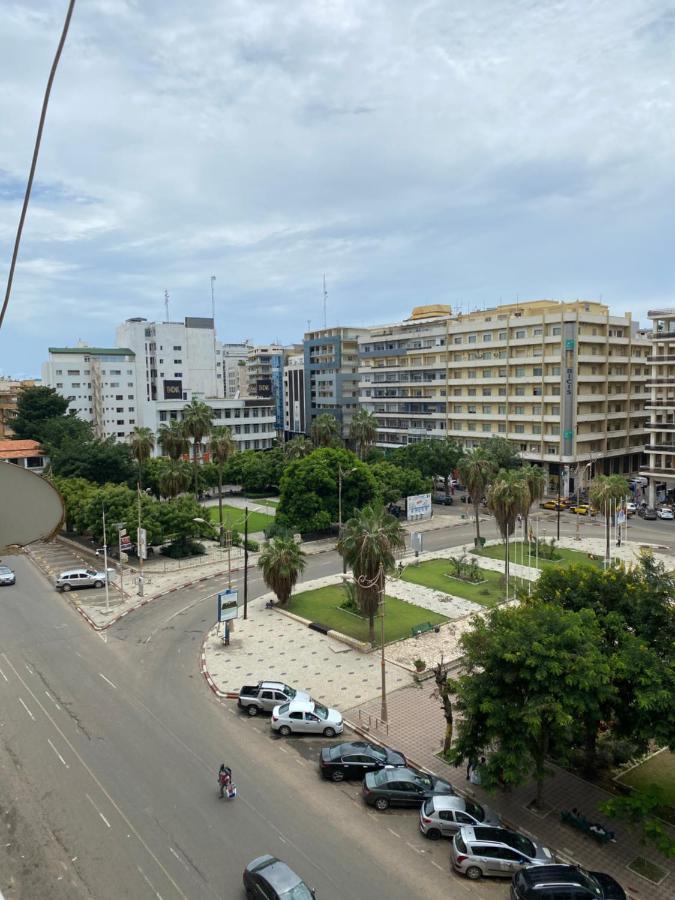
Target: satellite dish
[31,510]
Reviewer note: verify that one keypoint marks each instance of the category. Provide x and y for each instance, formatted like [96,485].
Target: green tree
[503,453]
[325,431]
[394,482]
[97,460]
[197,418]
[298,447]
[309,490]
[34,407]
[477,469]
[434,458]
[508,497]
[530,672]
[281,562]
[174,478]
[369,543]
[644,808]
[606,491]
[222,447]
[363,431]
[172,440]
[536,485]
[256,471]
[142,443]
[53,433]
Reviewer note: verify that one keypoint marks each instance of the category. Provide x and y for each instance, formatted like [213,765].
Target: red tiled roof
[19,449]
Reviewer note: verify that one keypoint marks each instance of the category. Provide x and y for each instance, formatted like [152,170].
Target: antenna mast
[325,295]
[166,304]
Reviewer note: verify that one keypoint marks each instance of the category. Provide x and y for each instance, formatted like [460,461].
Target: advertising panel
[227,605]
[173,390]
[263,388]
[418,507]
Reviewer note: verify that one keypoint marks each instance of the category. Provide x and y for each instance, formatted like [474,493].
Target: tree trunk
[443,693]
[220,505]
[476,509]
[507,567]
[196,468]
[446,482]
[607,534]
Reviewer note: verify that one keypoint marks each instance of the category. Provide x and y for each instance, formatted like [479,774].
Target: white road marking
[416,849]
[103,635]
[440,868]
[4,676]
[26,708]
[150,884]
[108,680]
[98,810]
[393,832]
[53,700]
[282,749]
[57,753]
[29,669]
[179,858]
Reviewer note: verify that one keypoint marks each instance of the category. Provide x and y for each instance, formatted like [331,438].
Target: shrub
[182,548]
[350,603]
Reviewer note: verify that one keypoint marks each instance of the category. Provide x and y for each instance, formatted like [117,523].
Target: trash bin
[479,543]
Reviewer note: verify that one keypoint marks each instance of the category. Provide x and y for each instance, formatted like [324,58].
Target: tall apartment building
[331,362]
[661,404]
[10,389]
[294,396]
[233,358]
[566,382]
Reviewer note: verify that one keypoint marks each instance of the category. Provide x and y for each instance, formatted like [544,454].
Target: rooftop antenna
[309,325]
[325,294]
[166,304]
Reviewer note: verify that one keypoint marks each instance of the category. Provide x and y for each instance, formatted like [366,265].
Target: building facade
[233,359]
[331,363]
[10,389]
[565,382]
[27,454]
[294,396]
[660,468]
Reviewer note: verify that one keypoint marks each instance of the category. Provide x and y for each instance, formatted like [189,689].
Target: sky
[467,152]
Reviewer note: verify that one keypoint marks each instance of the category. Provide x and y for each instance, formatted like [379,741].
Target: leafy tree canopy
[35,405]
[503,452]
[395,483]
[100,461]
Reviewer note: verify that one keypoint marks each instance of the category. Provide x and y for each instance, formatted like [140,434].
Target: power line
[36,151]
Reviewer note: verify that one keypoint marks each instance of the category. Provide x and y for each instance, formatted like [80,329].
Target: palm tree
[142,442]
[325,430]
[281,562]
[536,484]
[222,448]
[197,418]
[508,497]
[363,430]
[174,479]
[298,447]
[368,544]
[477,469]
[172,440]
[606,489]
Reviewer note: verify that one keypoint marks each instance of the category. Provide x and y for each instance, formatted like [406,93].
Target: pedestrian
[475,777]
[470,767]
[224,779]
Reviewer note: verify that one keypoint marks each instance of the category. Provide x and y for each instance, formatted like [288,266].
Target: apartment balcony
[590,417]
[661,359]
[596,398]
[660,448]
[665,336]
[596,379]
[660,404]
[667,380]
[655,427]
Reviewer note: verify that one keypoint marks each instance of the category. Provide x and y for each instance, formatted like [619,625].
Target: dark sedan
[268,878]
[401,787]
[647,512]
[354,758]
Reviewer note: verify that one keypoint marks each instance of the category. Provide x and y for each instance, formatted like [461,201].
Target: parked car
[559,882]
[269,878]
[554,504]
[265,695]
[583,510]
[401,787]
[631,509]
[486,850]
[442,499]
[354,758]
[306,717]
[7,576]
[664,512]
[80,578]
[647,512]
[443,816]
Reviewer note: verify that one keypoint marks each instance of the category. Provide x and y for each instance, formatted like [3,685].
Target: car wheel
[98,584]
[66,587]
[381,803]
[284,731]
[433,834]
[329,732]
[252,710]
[337,775]
[474,873]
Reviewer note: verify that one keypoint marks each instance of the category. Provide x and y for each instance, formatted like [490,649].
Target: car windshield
[284,709]
[91,572]
[5,570]
[475,810]
[376,753]
[424,780]
[321,711]
[591,883]
[520,842]
[289,691]
[299,892]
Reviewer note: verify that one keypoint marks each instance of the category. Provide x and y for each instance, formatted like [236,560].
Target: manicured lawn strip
[320,605]
[270,501]
[659,770]
[567,557]
[233,517]
[434,574]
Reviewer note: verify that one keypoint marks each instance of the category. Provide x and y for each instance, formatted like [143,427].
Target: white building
[232,361]
[294,395]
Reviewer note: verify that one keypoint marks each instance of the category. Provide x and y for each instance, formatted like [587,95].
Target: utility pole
[140,542]
[246,563]
[213,316]
[558,503]
[105,563]
[383,710]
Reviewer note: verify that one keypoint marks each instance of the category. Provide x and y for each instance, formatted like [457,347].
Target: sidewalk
[416,728]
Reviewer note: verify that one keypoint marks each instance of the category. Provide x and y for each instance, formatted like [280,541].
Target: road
[110,746]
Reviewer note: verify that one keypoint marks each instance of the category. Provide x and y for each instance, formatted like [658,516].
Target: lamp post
[558,503]
[246,562]
[105,563]
[341,475]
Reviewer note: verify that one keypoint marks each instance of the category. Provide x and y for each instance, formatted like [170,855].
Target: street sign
[228,607]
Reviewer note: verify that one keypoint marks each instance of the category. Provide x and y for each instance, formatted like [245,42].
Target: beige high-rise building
[565,382]
[660,468]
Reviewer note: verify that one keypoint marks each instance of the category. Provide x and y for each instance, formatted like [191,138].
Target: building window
[501,391]
[520,334]
[501,409]
[487,392]
[487,409]
[520,371]
[473,338]
[457,340]
[520,391]
[471,392]
[519,410]
[555,330]
[487,337]
[519,429]
[501,427]
[487,427]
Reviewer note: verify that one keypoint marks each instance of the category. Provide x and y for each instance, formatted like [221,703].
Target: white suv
[80,578]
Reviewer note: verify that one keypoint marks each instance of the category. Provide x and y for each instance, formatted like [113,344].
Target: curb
[222,695]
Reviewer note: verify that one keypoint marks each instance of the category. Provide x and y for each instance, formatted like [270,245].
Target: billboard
[173,390]
[418,507]
[263,388]
[227,605]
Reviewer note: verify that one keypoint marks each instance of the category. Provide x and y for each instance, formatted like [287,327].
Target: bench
[422,628]
[578,820]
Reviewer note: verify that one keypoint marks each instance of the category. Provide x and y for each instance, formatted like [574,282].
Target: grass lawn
[321,605]
[434,574]
[270,501]
[659,770]
[567,557]
[233,517]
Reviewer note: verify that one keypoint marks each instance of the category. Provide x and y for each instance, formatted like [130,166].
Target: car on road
[499,852]
[631,509]
[442,499]
[561,881]
[7,576]
[306,717]
[664,512]
[554,504]
[80,578]
[583,510]
[443,816]
[401,787]
[647,512]
[269,878]
[265,695]
[354,758]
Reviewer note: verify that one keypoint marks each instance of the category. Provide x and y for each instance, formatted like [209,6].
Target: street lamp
[341,475]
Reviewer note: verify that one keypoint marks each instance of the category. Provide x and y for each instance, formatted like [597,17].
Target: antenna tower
[325,295]
[166,304]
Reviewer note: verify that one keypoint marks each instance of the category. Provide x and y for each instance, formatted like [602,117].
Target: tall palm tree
[363,430]
[298,447]
[197,418]
[222,447]
[508,497]
[174,478]
[282,560]
[536,484]
[605,490]
[142,442]
[368,544]
[477,469]
[325,430]
[172,440]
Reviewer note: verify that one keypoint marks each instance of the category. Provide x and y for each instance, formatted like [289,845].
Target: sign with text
[418,507]
[173,390]
[228,608]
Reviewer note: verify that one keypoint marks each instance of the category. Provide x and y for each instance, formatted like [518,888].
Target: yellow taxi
[584,510]
[554,504]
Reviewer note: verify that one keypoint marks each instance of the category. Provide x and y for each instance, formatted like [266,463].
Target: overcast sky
[456,151]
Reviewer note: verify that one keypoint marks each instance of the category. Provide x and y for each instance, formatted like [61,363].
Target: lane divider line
[98,811]
[57,753]
[27,710]
[108,680]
